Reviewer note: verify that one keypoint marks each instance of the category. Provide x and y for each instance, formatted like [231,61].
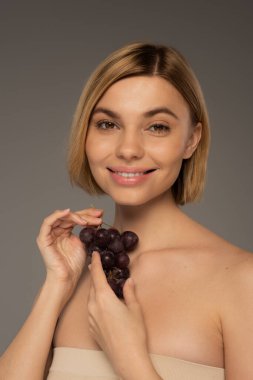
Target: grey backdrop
[48,49]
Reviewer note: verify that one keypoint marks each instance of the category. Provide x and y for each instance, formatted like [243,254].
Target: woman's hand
[117,327]
[61,250]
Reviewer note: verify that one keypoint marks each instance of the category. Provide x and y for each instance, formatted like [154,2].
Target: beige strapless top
[83,364]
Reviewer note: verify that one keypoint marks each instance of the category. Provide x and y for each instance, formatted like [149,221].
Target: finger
[92,295]
[76,217]
[92,292]
[129,293]
[91,220]
[73,218]
[91,211]
[68,221]
[97,274]
[49,221]
[64,224]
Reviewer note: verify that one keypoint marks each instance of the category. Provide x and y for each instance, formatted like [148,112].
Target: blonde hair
[150,60]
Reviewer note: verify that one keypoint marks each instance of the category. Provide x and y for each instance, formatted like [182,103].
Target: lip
[133,180]
[128,169]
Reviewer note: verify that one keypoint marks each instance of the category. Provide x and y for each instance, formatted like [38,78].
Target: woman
[140,134]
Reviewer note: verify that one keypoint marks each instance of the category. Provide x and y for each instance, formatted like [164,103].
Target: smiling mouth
[131,174]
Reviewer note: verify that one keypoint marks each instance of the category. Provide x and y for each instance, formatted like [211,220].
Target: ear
[193,140]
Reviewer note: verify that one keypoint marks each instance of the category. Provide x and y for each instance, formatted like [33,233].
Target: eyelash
[160,128]
[106,122]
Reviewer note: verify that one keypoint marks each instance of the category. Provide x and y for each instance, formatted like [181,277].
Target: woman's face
[139,133]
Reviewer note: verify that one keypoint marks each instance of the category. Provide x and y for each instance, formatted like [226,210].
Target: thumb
[129,293]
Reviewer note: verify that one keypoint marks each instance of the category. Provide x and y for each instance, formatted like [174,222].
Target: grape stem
[102,222]
[107,224]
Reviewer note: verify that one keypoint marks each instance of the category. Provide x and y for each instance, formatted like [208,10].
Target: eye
[159,128]
[106,125]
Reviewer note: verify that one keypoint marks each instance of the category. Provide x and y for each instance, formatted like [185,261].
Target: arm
[28,353]
[119,327]
[237,322]
[64,257]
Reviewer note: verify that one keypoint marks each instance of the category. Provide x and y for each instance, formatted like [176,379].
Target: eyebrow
[149,113]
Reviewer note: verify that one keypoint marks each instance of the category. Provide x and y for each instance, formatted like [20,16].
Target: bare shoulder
[232,268]
[221,251]
[211,257]
[237,275]
[201,251]
[236,313]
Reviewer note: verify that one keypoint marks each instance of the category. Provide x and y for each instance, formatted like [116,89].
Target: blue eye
[105,124]
[159,128]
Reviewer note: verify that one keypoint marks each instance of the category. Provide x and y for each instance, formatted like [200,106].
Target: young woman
[140,134]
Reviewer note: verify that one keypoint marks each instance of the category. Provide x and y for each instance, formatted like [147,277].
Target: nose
[129,146]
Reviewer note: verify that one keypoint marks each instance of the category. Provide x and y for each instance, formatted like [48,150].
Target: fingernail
[97,211]
[94,253]
[66,209]
[89,266]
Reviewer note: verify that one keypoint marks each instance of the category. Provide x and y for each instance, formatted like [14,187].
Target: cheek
[90,151]
[96,148]
[168,153]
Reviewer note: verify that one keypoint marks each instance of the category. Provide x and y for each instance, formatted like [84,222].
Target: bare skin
[29,354]
[187,283]
[180,269]
[191,290]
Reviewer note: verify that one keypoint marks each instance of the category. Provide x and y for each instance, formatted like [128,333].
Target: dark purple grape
[87,235]
[102,237]
[116,246]
[119,273]
[113,284]
[112,247]
[124,272]
[119,289]
[113,233]
[122,260]
[107,259]
[129,240]
[91,248]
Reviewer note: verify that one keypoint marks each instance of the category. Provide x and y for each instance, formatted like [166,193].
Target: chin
[127,198]
[133,198]
[134,203]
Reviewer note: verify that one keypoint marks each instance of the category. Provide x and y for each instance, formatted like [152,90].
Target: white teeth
[129,175]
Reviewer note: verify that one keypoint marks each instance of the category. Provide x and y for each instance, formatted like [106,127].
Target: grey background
[48,49]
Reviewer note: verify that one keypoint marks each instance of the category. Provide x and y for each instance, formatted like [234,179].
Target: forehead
[140,93]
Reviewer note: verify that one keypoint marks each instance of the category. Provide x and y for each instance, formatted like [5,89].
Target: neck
[155,222]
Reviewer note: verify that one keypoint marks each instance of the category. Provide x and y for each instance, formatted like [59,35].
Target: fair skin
[200,283]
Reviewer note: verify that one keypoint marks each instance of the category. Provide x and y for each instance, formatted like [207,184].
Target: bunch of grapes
[113,248]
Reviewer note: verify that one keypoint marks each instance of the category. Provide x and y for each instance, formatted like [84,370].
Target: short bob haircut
[147,59]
